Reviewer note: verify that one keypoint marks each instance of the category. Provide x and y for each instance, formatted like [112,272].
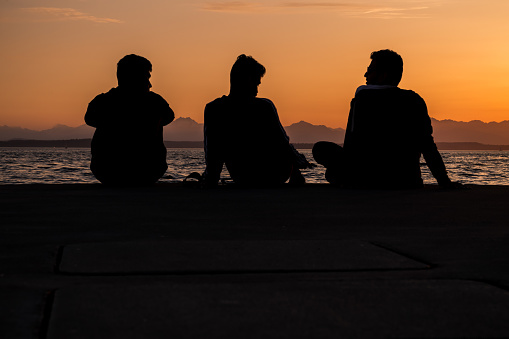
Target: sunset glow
[57,55]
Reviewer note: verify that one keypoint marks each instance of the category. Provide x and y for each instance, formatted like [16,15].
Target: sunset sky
[57,55]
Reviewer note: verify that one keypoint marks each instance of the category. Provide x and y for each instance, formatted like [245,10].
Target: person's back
[127,147]
[244,132]
[385,137]
[388,130]
[249,132]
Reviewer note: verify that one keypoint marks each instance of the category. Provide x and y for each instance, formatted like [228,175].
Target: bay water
[25,165]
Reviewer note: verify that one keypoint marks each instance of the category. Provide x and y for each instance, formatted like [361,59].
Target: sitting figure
[244,132]
[127,147]
[388,129]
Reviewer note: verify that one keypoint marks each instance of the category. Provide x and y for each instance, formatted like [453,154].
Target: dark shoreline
[85,143]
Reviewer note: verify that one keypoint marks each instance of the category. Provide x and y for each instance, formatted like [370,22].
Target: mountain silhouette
[186,129]
[183,129]
[58,132]
[304,132]
[495,133]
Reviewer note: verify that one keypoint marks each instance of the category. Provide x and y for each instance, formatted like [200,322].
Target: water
[71,165]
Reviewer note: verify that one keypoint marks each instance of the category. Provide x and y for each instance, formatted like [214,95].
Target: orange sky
[57,55]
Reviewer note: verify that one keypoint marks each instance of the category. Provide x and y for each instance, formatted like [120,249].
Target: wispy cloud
[324,5]
[367,9]
[395,12]
[69,14]
[233,6]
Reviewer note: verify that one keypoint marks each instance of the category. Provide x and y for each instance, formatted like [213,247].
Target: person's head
[245,76]
[386,68]
[133,72]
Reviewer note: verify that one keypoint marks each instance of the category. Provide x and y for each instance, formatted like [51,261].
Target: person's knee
[325,152]
[318,151]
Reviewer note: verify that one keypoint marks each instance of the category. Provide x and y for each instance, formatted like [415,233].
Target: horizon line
[182,117]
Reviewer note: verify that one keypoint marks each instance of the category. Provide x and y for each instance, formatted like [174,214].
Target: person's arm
[349,127]
[435,162]
[299,159]
[94,111]
[213,148]
[167,114]
[429,149]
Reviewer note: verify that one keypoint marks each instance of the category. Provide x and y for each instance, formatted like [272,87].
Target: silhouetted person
[127,147]
[244,132]
[388,129]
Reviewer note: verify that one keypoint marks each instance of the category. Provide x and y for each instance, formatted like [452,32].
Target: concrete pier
[85,261]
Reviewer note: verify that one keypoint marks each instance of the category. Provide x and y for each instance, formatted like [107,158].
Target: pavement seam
[58,259]
[398,252]
[234,272]
[46,315]
[492,283]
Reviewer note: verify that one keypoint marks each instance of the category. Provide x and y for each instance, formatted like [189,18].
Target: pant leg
[274,173]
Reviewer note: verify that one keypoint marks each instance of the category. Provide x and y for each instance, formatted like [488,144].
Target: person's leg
[328,154]
[331,156]
[274,172]
[296,177]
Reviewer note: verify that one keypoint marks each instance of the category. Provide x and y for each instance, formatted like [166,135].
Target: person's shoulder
[156,97]
[220,100]
[106,95]
[410,95]
[264,100]
[217,102]
[408,92]
[266,103]
[103,97]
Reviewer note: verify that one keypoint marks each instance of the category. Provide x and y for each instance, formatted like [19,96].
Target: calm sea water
[71,165]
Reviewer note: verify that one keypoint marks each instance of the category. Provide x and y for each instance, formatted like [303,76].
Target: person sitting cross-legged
[388,129]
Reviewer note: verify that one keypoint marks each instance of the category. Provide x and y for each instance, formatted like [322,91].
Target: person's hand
[302,162]
[311,165]
[306,164]
[300,159]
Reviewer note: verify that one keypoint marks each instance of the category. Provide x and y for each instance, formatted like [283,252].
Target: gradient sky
[57,55]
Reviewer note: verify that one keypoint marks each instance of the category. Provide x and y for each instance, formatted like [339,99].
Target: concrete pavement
[84,261]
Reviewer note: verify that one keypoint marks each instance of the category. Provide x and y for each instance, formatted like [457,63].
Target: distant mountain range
[495,133]
[186,129]
[59,132]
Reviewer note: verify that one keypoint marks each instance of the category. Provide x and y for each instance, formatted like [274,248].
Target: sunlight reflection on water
[71,165]
[474,167]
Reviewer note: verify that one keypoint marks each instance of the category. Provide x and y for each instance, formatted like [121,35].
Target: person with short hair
[388,129]
[127,146]
[244,132]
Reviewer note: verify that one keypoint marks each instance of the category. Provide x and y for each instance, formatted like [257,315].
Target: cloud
[69,14]
[364,9]
[323,5]
[232,6]
[242,6]
[394,12]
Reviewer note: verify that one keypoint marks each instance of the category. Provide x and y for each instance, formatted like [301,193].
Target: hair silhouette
[246,67]
[390,64]
[245,76]
[134,71]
